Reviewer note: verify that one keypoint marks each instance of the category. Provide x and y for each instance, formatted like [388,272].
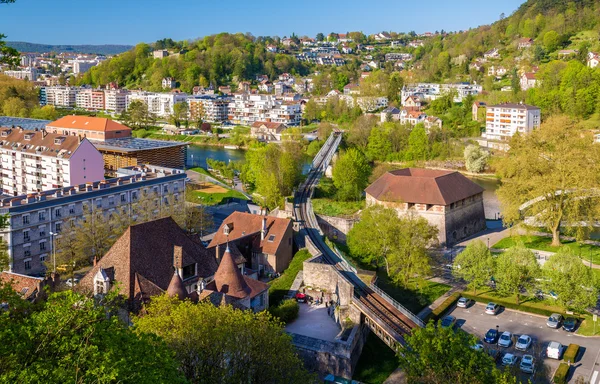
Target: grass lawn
[281,285]
[542,243]
[376,362]
[212,198]
[329,207]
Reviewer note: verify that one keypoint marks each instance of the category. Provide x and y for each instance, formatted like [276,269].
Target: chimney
[263,230]
[178,257]
[95,260]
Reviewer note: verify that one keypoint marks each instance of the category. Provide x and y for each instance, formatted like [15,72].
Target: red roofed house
[267,131]
[528,80]
[447,199]
[412,102]
[524,42]
[28,287]
[150,259]
[264,241]
[93,128]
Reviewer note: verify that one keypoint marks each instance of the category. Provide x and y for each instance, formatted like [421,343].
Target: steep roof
[143,258]
[268,125]
[245,224]
[176,288]
[229,279]
[39,142]
[26,286]
[423,186]
[87,123]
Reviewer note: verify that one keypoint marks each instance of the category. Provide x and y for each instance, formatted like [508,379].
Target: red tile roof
[27,286]
[423,186]
[88,124]
[268,125]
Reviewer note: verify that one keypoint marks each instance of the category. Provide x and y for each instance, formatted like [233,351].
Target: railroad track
[375,305]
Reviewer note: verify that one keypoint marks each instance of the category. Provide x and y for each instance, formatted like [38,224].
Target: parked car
[505,339]
[463,302]
[509,360]
[448,321]
[523,342]
[477,347]
[71,282]
[492,308]
[300,297]
[554,350]
[491,336]
[554,320]
[527,364]
[570,324]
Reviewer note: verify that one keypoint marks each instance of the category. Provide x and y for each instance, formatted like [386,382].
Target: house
[412,102]
[287,42]
[230,286]
[382,36]
[593,59]
[504,120]
[351,89]
[265,86]
[498,71]
[416,43]
[432,122]
[477,105]
[244,86]
[267,131]
[265,242]
[150,259]
[28,287]
[260,78]
[412,117]
[492,54]
[476,66]
[524,43]
[565,53]
[390,114]
[527,80]
[346,49]
[271,48]
[446,199]
[225,89]
[169,83]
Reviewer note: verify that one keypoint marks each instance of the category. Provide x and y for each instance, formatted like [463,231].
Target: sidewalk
[455,288]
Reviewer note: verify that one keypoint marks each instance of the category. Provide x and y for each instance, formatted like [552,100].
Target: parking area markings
[594,377]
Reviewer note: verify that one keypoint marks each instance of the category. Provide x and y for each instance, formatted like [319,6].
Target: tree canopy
[475,265]
[351,174]
[516,271]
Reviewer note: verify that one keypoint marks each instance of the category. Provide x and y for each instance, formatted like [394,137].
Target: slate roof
[423,186]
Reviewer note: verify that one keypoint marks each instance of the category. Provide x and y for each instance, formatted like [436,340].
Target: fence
[398,306]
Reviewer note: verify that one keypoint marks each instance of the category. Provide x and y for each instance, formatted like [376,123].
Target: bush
[571,353]
[560,376]
[287,311]
[446,305]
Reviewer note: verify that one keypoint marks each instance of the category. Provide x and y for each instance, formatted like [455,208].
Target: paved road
[475,321]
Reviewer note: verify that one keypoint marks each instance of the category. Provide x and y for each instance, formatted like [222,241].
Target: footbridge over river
[389,320]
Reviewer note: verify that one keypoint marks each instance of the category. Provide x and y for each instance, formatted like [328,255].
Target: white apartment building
[115,100]
[33,217]
[504,120]
[82,66]
[29,73]
[160,104]
[247,108]
[34,161]
[61,96]
[212,109]
[27,60]
[430,91]
[83,98]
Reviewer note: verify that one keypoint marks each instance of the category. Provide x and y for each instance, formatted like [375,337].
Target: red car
[301,297]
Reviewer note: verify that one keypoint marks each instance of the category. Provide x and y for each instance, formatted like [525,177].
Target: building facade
[92,128]
[29,73]
[247,108]
[502,121]
[213,109]
[159,104]
[61,96]
[32,217]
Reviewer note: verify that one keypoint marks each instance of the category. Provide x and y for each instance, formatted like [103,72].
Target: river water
[490,200]
[197,155]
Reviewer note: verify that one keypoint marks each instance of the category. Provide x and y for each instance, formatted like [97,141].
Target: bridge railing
[398,306]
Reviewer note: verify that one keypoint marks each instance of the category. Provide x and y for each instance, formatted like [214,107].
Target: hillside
[108,49]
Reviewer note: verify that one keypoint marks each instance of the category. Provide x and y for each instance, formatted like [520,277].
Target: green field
[542,243]
[325,202]
[212,198]
[281,285]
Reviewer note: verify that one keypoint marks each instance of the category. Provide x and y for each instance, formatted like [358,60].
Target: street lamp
[52,235]
[488,242]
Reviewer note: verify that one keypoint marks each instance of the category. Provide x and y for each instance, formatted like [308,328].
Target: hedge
[511,305]
[561,373]
[287,311]
[446,304]
[571,353]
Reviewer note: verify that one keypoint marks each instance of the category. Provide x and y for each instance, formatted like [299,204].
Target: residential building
[351,89]
[527,81]
[476,107]
[93,128]
[412,102]
[265,242]
[446,199]
[32,217]
[504,120]
[416,43]
[35,161]
[29,73]
[160,54]
[151,259]
[382,36]
[593,59]
[29,288]
[27,60]
[390,114]
[271,48]
[247,108]
[524,43]
[265,86]
[432,91]
[492,54]
[82,66]
[213,109]
[115,100]
[395,56]
[61,96]
[267,131]
[169,83]
[498,71]
[159,104]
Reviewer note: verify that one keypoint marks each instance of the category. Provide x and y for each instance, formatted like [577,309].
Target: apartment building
[82,66]
[246,108]
[432,91]
[61,96]
[90,99]
[160,104]
[209,108]
[34,161]
[115,100]
[33,217]
[29,73]
[504,120]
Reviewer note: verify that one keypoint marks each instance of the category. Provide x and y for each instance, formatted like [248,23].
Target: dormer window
[101,282]
[28,136]
[6,132]
[227,228]
[59,140]
[189,271]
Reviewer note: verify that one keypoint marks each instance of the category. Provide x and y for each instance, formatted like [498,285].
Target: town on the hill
[340,208]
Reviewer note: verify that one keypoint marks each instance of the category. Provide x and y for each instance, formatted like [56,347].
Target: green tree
[400,244]
[379,146]
[8,55]
[475,265]
[4,258]
[515,82]
[320,37]
[557,168]
[71,339]
[516,270]
[444,356]
[222,344]
[15,107]
[418,144]
[476,158]
[137,115]
[94,236]
[394,87]
[180,113]
[551,41]
[571,280]
[351,174]
[47,112]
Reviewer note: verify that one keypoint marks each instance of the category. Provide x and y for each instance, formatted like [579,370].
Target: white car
[505,340]
[71,282]
[463,302]
[554,350]
[509,360]
[523,342]
[492,308]
[477,347]
[527,364]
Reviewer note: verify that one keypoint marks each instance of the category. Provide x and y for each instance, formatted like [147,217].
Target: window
[26,251]
[99,287]
[27,265]
[189,271]
[43,246]
[42,215]
[134,195]
[111,200]
[58,226]
[57,212]
[71,209]
[26,236]
[25,219]
[43,258]
[271,238]
[98,203]
[166,189]
[123,198]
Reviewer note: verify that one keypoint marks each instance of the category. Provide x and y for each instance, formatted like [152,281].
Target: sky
[134,21]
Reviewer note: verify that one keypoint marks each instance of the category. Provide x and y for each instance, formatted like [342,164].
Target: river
[197,155]
[490,200]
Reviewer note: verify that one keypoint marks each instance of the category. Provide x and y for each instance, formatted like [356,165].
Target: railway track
[396,323]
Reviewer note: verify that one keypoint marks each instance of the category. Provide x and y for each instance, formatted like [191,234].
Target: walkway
[201,178]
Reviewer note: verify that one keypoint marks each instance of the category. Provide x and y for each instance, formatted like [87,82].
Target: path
[199,178]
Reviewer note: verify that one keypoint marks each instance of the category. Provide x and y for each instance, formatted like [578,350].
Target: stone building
[447,199]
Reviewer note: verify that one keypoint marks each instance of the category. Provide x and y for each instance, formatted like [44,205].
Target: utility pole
[52,235]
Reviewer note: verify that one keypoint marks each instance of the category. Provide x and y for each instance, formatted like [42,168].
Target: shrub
[287,311]
[561,373]
[444,307]
[571,353]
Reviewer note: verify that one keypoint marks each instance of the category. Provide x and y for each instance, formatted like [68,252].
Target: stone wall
[326,277]
[465,220]
[335,227]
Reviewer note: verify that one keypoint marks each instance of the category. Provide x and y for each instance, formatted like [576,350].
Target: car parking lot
[475,321]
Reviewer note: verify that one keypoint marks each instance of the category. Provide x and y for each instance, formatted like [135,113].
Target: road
[475,321]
